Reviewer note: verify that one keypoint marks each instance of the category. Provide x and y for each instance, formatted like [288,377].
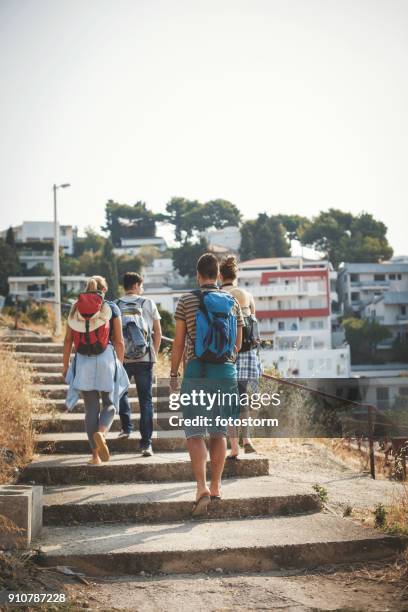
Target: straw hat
[78,323]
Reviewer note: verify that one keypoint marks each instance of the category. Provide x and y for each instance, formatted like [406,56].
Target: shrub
[16,407]
[322,492]
[380,516]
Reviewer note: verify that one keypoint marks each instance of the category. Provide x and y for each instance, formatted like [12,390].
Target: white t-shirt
[150,314]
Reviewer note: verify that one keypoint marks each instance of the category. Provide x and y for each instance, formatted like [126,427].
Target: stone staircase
[132,514]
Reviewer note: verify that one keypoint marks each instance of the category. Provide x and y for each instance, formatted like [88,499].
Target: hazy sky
[277,105]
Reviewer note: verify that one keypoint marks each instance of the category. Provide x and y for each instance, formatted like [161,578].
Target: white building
[42,287]
[227,239]
[384,386]
[133,246]
[391,310]
[43,231]
[293,299]
[161,273]
[165,297]
[360,283]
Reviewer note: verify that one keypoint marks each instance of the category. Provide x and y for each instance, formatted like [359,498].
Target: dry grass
[17,402]
[24,323]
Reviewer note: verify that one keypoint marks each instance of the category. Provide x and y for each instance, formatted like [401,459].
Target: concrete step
[162,467]
[74,422]
[77,443]
[49,378]
[17,338]
[59,391]
[152,502]
[40,358]
[259,544]
[34,347]
[45,404]
[47,368]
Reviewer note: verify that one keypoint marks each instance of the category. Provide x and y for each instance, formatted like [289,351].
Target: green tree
[10,265]
[128,263]
[92,241]
[190,217]
[263,237]
[185,257]
[343,237]
[218,214]
[292,225]
[167,323]
[129,221]
[400,351]
[108,269]
[38,270]
[363,336]
[10,239]
[182,214]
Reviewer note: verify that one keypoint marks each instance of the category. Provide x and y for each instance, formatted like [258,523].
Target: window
[281,325]
[318,344]
[403,391]
[403,310]
[316,324]
[354,278]
[382,393]
[379,277]
[399,276]
[391,276]
[355,296]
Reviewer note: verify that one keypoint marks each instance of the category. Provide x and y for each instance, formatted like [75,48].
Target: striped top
[186,310]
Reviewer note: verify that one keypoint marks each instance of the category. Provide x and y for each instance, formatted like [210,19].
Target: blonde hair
[229,267]
[96,283]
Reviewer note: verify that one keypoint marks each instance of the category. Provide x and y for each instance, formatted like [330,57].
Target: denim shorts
[214,379]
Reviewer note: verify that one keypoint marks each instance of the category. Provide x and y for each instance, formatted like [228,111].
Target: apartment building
[391,310]
[161,273]
[294,300]
[32,233]
[43,231]
[361,283]
[133,246]
[42,287]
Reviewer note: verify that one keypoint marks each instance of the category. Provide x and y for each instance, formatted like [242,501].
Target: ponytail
[96,283]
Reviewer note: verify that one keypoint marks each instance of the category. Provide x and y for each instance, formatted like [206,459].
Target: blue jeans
[143,376]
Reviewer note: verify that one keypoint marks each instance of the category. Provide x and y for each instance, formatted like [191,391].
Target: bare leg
[198,457]
[91,402]
[233,438]
[218,447]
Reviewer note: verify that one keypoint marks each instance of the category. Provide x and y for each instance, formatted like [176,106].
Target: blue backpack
[216,326]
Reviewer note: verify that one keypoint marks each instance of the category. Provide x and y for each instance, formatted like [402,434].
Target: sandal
[232,458]
[248,448]
[200,506]
[215,497]
[101,445]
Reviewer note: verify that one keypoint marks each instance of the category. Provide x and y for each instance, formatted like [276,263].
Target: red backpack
[91,342]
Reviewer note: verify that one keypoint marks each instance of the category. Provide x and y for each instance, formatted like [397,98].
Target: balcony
[367,284]
[280,289]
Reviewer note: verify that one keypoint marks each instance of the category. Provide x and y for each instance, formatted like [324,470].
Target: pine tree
[108,269]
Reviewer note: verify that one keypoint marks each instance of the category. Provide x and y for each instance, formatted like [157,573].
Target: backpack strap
[87,337]
[201,295]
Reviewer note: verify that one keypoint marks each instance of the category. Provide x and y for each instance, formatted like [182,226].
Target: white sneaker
[147,452]
[123,434]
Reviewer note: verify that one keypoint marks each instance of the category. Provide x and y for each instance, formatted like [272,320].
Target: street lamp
[57,281]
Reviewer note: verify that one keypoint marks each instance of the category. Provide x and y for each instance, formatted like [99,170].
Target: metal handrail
[369,407]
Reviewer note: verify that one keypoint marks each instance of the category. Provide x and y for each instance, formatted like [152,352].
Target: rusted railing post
[371,440]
